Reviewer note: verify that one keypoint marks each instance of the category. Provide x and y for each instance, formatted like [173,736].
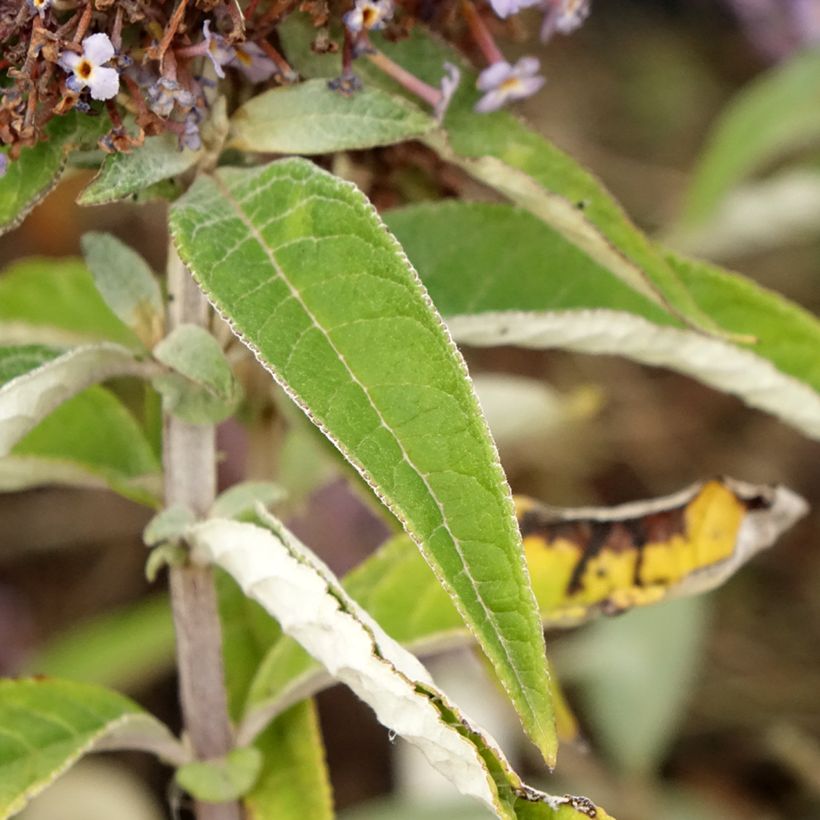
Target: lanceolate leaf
[500,277]
[29,178]
[47,725]
[272,567]
[301,266]
[583,563]
[54,301]
[91,440]
[122,175]
[776,114]
[310,118]
[36,380]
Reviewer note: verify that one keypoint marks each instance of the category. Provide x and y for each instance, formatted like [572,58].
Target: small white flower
[217,49]
[504,8]
[87,69]
[368,15]
[564,16]
[254,63]
[449,85]
[40,6]
[502,82]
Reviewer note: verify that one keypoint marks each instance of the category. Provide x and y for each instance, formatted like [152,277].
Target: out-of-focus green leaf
[91,439]
[500,277]
[294,782]
[241,500]
[54,301]
[301,266]
[125,649]
[310,118]
[247,634]
[220,781]
[777,113]
[634,676]
[35,380]
[127,284]
[49,724]
[122,175]
[202,389]
[30,177]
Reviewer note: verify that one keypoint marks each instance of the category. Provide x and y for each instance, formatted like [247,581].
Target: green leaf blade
[47,725]
[311,118]
[94,435]
[30,177]
[540,292]
[317,288]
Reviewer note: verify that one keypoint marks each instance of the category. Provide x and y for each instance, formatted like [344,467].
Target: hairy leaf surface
[30,177]
[300,264]
[276,570]
[91,440]
[34,380]
[47,725]
[310,118]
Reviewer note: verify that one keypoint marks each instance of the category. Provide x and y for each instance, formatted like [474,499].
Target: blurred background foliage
[704,708]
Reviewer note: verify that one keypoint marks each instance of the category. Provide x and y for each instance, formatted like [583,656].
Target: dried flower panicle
[153,67]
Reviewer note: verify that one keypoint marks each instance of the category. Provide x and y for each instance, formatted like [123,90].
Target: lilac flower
[502,82]
[449,85]
[40,6]
[165,94]
[4,164]
[87,69]
[368,15]
[564,16]
[190,137]
[217,49]
[504,8]
[254,63]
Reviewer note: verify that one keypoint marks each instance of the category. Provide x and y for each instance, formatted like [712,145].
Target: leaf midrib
[488,614]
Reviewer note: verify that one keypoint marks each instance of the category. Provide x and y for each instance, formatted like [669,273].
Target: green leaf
[91,440]
[273,568]
[47,725]
[247,634]
[776,114]
[396,588]
[127,285]
[168,525]
[301,266]
[34,381]
[310,118]
[500,277]
[54,301]
[223,780]
[501,151]
[124,649]
[241,500]
[202,389]
[124,175]
[294,782]
[30,177]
